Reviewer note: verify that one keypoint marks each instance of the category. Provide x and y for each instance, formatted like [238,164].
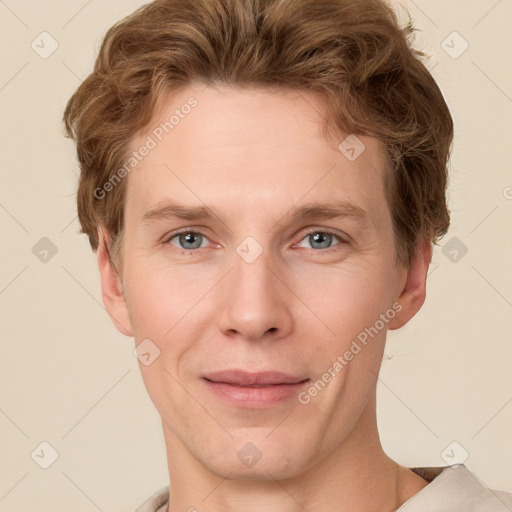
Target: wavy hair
[353,52]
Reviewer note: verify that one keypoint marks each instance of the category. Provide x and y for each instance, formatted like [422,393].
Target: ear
[112,288]
[414,288]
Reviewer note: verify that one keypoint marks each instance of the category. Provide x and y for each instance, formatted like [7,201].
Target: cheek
[159,299]
[347,299]
[161,306]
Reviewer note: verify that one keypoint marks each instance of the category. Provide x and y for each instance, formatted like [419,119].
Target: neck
[355,476]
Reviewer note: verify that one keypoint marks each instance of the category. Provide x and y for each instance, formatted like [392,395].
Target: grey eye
[321,239]
[188,240]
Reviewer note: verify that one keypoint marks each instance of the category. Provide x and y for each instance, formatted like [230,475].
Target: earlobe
[111,288]
[414,291]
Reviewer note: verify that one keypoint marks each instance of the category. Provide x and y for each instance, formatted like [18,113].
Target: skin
[252,155]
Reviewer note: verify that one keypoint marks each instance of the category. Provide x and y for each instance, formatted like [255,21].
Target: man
[263,182]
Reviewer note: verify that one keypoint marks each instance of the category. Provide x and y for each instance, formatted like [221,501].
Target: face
[259,267]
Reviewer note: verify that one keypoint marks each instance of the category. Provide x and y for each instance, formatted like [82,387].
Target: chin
[260,460]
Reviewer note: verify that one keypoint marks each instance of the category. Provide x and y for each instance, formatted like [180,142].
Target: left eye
[189,240]
[321,239]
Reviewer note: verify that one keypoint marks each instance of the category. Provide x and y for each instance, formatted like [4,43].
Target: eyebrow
[320,211]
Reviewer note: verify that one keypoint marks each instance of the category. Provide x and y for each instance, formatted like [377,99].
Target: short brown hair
[353,52]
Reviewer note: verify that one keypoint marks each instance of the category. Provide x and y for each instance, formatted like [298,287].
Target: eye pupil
[323,239]
[188,238]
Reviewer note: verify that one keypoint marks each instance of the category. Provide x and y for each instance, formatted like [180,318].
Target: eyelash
[310,232]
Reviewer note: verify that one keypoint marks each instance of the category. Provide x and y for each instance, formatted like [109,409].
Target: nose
[255,303]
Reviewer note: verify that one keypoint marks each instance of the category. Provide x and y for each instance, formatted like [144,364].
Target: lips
[242,378]
[260,390]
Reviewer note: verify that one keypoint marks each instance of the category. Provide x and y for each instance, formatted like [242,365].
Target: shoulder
[450,488]
[157,502]
[455,488]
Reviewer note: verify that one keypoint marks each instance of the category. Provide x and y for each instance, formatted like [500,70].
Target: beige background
[69,378]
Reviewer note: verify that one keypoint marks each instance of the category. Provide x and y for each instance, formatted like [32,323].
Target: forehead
[265,147]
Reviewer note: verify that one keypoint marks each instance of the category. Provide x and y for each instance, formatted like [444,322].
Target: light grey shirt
[451,489]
